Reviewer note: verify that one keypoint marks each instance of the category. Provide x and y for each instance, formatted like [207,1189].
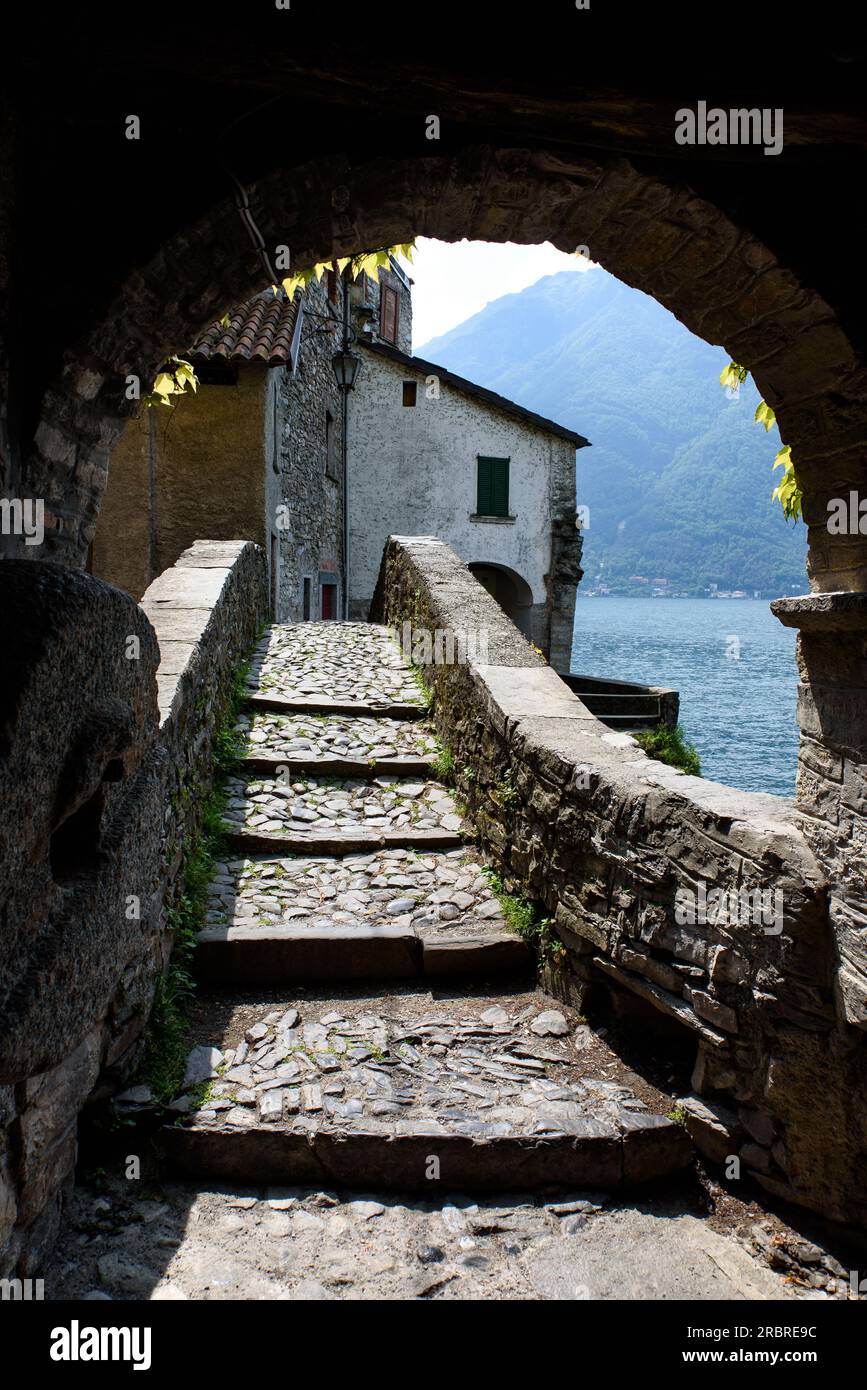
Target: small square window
[410,392]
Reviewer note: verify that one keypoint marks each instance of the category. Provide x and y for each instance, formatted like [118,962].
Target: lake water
[733,664]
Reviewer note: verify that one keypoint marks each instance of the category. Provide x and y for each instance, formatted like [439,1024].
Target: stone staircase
[349,865]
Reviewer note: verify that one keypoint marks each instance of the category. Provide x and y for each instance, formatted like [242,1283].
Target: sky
[454,280]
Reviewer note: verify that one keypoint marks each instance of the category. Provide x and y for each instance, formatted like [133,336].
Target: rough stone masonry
[99,792]
[609,842]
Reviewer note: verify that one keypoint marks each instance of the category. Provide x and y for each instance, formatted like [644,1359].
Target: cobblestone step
[401,1091]
[349,667]
[311,736]
[339,842]
[298,805]
[390,913]
[288,704]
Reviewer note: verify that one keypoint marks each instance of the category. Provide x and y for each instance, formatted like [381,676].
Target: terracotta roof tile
[261,330]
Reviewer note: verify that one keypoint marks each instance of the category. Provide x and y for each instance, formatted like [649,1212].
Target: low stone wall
[625,854]
[106,725]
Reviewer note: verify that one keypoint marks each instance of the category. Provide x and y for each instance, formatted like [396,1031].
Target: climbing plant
[175,378]
[787,492]
[178,376]
[365,263]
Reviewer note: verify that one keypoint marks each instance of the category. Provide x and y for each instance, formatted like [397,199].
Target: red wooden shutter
[388,314]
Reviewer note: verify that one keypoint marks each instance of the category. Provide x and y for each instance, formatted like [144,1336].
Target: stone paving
[433,1070]
[356,1085]
[476,1080]
[334,661]
[334,736]
[317,804]
[170,1241]
[397,887]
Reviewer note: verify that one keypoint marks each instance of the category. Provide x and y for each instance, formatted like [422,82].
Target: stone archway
[649,230]
[575,165]
[511,591]
[718,279]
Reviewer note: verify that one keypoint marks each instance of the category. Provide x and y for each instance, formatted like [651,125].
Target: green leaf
[764,415]
[733,376]
[784,457]
[787,492]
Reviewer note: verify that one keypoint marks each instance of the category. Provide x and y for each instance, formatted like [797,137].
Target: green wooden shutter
[483,502]
[493,487]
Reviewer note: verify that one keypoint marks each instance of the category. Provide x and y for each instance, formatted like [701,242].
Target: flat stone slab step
[403,1092]
[339,842]
[368,741]
[270,764]
[302,807]
[341,664]
[289,704]
[280,955]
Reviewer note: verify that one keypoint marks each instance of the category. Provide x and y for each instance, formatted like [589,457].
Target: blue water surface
[731,660]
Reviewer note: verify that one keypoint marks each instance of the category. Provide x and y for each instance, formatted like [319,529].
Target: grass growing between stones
[423,687]
[525,919]
[671,746]
[505,793]
[442,767]
[166,1039]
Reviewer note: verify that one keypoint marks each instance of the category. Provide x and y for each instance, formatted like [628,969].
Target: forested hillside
[679,478]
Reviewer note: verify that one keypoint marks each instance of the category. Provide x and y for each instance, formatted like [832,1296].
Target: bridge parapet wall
[704,903]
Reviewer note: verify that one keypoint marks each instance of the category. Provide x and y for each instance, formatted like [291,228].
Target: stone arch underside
[716,277]
[509,588]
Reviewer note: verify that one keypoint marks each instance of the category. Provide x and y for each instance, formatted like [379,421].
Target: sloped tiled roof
[261,330]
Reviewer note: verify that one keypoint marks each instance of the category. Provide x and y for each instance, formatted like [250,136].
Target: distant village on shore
[643,586]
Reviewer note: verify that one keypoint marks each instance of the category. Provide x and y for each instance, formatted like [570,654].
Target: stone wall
[100,793]
[311,469]
[832,771]
[613,844]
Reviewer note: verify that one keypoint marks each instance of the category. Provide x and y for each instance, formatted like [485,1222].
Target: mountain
[678,479]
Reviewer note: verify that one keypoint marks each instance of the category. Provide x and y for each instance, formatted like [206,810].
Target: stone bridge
[106,719]
[622,851]
[623,854]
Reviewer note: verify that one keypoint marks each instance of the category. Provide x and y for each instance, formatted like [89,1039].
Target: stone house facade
[268,450]
[433,454]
